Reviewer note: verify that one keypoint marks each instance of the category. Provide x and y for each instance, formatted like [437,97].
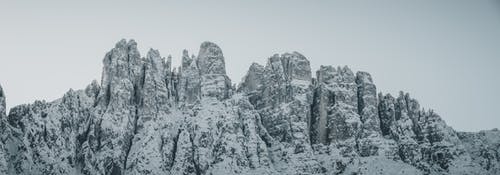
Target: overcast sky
[445,53]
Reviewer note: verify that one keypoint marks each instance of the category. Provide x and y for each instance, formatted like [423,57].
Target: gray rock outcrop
[3,134]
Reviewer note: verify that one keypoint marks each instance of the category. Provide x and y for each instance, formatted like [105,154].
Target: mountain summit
[147,117]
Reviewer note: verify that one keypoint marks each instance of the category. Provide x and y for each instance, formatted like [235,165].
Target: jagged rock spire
[121,74]
[186,60]
[281,92]
[214,81]
[120,94]
[190,83]
[210,59]
[253,80]
[154,88]
[3,128]
[296,67]
[92,90]
[387,113]
[367,104]
[370,140]
[335,115]
[2,102]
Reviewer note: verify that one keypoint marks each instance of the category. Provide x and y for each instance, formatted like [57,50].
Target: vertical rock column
[214,81]
[3,127]
[386,114]
[367,105]
[281,92]
[335,116]
[253,84]
[144,155]
[370,136]
[297,70]
[2,104]
[285,99]
[403,132]
[117,107]
[189,87]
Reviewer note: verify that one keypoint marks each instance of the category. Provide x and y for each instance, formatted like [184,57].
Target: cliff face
[146,117]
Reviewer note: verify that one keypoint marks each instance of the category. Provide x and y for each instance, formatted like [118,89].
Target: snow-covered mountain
[147,117]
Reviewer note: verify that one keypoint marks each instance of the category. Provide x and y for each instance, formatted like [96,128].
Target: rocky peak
[290,66]
[364,78]
[253,79]
[332,75]
[210,59]
[92,90]
[190,83]
[168,64]
[212,68]
[122,73]
[342,81]
[296,66]
[186,60]
[387,112]
[3,134]
[154,87]
[335,117]
[288,72]
[367,104]
[155,64]
[2,102]
[1,92]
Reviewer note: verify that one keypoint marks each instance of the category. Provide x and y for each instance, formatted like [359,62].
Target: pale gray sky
[446,53]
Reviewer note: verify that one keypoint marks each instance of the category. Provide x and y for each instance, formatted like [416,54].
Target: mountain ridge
[148,117]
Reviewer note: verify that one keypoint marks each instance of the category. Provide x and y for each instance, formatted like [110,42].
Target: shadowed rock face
[147,117]
[3,132]
[2,101]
